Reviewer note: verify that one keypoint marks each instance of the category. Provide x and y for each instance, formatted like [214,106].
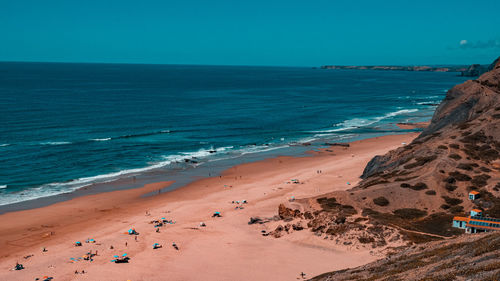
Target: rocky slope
[472,257]
[458,152]
[415,191]
[412,193]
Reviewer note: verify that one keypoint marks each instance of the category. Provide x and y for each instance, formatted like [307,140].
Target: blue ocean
[66,126]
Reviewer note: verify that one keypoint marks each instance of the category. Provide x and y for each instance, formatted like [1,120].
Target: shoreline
[105,216]
[181,177]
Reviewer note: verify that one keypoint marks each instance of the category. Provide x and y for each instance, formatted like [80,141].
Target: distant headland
[464,70]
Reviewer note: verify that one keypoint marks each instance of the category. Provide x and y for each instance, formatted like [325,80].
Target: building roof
[461,219]
[474,192]
[477,210]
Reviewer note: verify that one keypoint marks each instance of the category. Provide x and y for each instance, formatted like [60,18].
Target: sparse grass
[406,179]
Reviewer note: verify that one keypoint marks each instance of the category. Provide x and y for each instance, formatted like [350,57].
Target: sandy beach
[228,248]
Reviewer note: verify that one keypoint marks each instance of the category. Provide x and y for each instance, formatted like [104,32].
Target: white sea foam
[56,188]
[4,144]
[3,186]
[103,139]
[55,142]
[361,122]
[428,102]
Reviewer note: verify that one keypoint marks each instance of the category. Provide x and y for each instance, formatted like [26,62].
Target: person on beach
[175,246]
[18,266]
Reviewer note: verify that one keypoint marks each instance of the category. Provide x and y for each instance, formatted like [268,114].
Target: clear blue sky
[255,32]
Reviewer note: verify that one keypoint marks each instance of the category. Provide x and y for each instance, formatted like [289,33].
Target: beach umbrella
[115,256]
[124,254]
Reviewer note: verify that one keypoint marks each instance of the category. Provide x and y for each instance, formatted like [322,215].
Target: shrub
[459,176]
[442,147]
[450,180]
[451,201]
[366,240]
[419,186]
[455,156]
[455,146]
[464,166]
[450,187]
[486,170]
[457,209]
[464,126]
[430,192]
[480,180]
[381,201]
[410,213]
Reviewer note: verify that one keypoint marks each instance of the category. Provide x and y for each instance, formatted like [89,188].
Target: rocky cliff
[418,188]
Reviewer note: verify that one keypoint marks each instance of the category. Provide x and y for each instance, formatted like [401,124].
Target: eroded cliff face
[458,152]
[474,101]
[413,192]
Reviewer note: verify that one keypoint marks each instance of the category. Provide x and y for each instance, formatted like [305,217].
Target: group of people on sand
[239,204]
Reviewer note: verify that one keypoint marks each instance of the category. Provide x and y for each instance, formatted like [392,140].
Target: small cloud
[490,44]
